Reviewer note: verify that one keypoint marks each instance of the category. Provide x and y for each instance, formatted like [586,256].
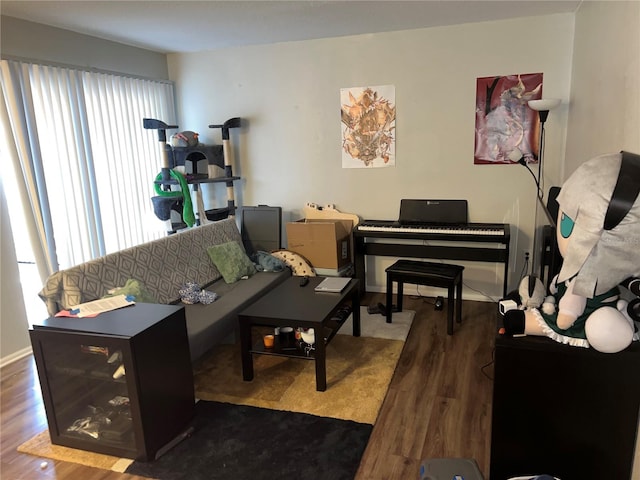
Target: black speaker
[261,228]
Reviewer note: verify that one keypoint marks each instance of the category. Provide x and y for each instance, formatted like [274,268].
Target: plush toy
[164,201]
[531,292]
[598,234]
[184,139]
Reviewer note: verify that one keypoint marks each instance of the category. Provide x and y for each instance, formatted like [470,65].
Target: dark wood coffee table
[290,305]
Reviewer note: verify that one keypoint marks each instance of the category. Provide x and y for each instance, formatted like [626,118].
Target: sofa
[161,268]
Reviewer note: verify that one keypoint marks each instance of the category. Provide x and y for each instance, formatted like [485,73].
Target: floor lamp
[542,106]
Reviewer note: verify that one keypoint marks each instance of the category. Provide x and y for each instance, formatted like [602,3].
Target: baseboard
[4,361]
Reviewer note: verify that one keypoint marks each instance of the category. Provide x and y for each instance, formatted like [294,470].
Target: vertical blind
[98,164]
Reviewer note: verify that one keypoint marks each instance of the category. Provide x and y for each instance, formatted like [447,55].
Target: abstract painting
[504,121]
[368,120]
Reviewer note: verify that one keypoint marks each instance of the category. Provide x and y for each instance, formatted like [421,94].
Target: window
[88,164]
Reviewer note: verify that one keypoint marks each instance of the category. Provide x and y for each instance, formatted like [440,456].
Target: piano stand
[431,274]
[390,242]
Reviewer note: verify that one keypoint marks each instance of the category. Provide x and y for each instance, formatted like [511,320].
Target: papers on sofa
[102,305]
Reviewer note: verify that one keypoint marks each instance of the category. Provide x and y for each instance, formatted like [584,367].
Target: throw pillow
[265,262]
[296,262]
[231,261]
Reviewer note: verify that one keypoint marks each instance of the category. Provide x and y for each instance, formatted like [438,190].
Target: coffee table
[292,305]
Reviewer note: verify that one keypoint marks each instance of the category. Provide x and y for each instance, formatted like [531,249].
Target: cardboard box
[324,243]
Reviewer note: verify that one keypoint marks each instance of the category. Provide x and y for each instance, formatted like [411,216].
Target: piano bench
[431,274]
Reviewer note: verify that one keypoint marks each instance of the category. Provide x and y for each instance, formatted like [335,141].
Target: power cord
[486,365]
[525,267]
[493,300]
[424,297]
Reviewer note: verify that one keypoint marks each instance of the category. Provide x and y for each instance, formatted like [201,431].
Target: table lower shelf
[279,351]
[330,330]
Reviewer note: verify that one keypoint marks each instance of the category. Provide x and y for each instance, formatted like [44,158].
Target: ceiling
[191,26]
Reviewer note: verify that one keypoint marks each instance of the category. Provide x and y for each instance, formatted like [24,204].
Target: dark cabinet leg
[450,308]
[355,312]
[321,365]
[459,301]
[399,297]
[389,296]
[245,349]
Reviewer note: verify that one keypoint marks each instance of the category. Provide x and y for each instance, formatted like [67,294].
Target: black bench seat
[431,274]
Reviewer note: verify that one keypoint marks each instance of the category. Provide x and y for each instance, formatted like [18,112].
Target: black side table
[566,411]
[120,383]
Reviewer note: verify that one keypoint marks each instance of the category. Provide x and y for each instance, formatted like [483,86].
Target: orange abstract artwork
[368,116]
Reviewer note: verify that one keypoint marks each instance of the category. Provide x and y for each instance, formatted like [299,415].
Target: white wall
[605,86]
[34,41]
[289,93]
[14,337]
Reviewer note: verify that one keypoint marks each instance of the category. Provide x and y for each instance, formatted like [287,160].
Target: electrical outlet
[526,256]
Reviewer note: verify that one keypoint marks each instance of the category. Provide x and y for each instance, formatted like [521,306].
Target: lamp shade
[515,155]
[544,104]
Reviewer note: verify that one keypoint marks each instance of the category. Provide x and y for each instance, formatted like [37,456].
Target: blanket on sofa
[162,266]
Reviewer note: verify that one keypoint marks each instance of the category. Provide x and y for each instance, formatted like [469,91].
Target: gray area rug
[376,325]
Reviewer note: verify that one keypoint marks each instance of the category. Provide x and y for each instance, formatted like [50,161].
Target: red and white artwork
[504,121]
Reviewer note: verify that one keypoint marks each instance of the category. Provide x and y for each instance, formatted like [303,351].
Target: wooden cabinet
[565,411]
[120,383]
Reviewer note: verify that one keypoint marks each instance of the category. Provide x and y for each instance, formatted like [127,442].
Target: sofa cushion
[233,298]
[231,261]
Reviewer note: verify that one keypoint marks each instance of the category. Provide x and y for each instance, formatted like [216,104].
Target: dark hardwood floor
[438,404]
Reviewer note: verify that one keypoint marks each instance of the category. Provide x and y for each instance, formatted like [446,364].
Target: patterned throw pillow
[231,261]
[298,264]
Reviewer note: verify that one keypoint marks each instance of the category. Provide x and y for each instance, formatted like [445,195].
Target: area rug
[242,442]
[359,370]
[376,325]
[41,446]
[238,441]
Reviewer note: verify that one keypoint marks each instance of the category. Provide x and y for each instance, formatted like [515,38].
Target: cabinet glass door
[87,388]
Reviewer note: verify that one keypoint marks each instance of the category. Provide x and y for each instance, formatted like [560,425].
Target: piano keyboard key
[450,230]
